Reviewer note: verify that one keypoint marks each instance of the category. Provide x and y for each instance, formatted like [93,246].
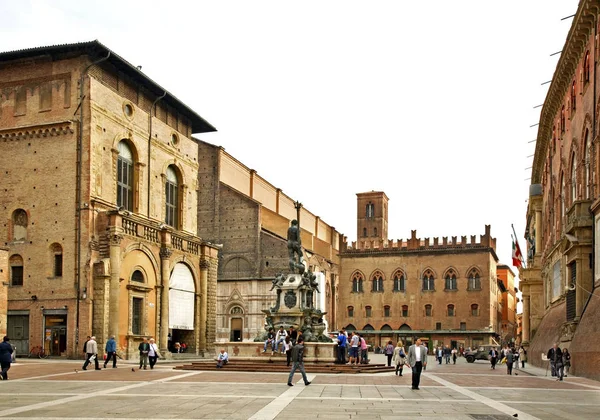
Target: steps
[274,364]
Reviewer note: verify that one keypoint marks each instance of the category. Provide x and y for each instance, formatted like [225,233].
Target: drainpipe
[150,144]
[78,189]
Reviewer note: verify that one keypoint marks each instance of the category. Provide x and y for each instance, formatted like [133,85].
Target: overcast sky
[429,101]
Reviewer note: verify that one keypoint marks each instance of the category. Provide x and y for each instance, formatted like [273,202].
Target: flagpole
[518,247]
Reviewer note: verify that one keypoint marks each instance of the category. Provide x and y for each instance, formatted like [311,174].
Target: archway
[181,305]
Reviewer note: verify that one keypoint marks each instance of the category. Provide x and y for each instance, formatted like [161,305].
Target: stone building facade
[100,200]
[444,291]
[249,217]
[563,214]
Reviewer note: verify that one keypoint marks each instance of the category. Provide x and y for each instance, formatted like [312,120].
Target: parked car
[480,353]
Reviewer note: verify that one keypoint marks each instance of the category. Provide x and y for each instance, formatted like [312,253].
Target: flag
[517,257]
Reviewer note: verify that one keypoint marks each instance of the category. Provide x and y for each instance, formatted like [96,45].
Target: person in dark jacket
[5,357]
[270,341]
[144,349]
[493,357]
[510,359]
[556,361]
[85,347]
[298,362]
[111,351]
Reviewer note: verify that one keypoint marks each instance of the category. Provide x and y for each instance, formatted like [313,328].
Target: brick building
[249,217]
[508,313]
[99,171]
[444,291]
[563,214]
[3,289]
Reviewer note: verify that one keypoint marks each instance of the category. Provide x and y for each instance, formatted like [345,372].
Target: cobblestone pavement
[53,389]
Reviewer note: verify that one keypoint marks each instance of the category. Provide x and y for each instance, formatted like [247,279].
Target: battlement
[415,244]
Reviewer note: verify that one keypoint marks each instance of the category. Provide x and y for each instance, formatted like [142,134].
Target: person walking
[111,351]
[341,348]
[364,356]
[439,354]
[493,357]
[6,351]
[566,361]
[417,359]
[509,361]
[91,352]
[389,352]
[153,353]
[144,349]
[556,361]
[454,355]
[447,353]
[399,358]
[85,346]
[298,362]
[522,356]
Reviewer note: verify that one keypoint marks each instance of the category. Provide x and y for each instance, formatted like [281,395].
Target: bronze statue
[295,248]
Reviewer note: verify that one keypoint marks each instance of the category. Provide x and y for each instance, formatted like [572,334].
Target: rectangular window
[171,201]
[58,265]
[386,311]
[125,184]
[428,310]
[556,280]
[137,305]
[405,311]
[463,326]
[16,275]
[368,311]
[350,312]
[438,325]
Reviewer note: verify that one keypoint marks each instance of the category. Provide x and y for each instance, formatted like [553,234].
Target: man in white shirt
[417,359]
[280,338]
[91,352]
[222,359]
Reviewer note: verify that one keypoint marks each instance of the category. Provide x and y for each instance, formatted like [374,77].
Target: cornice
[51,129]
[575,45]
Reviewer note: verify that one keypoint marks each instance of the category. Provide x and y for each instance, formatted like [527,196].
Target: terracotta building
[506,282]
[563,213]
[444,290]
[249,217]
[3,289]
[100,180]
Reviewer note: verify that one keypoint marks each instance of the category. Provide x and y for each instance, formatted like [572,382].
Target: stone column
[115,274]
[204,266]
[525,326]
[165,271]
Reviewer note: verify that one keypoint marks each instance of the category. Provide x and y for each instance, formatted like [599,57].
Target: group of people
[354,345]
[509,356]
[148,349]
[287,338]
[446,354]
[560,361]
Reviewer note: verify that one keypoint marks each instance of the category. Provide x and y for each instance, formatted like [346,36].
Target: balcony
[578,217]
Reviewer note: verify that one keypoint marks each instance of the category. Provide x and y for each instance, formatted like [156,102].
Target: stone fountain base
[314,352]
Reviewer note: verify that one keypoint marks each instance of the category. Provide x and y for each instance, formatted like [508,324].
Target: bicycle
[38,351]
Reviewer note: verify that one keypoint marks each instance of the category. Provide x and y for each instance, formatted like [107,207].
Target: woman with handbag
[153,353]
[399,358]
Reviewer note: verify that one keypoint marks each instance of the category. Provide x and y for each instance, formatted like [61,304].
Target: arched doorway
[405,335]
[181,305]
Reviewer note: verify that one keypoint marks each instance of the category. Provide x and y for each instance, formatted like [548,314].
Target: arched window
[370,210]
[474,280]
[368,311]
[16,270]
[138,276]
[573,97]
[172,198]
[405,310]
[562,119]
[428,281]
[399,282]
[450,309]
[377,282]
[125,176]
[428,310]
[474,309]
[20,222]
[386,311]
[573,178]
[350,311]
[562,196]
[586,154]
[450,280]
[57,260]
[357,283]
[586,68]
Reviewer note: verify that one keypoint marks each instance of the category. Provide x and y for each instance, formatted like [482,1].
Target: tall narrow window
[586,68]
[573,179]
[474,309]
[573,97]
[587,180]
[57,260]
[125,177]
[171,197]
[427,310]
[405,310]
[370,211]
[375,232]
[474,280]
[399,282]
[357,283]
[137,306]
[450,280]
[365,232]
[20,222]
[386,311]
[350,311]
[377,281]
[428,281]
[16,270]
[368,311]
[450,310]
[563,124]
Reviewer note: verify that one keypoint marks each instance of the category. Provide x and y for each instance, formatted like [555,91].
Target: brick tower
[372,215]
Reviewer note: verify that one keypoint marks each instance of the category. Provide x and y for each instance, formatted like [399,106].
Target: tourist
[270,341]
[454,355]
[287,346]
[6,351]
[439,354]
[341,348]
[509,361]
[515,357]
[91,352]
[399,358]
[85,346]
[389,352]
[364,356]
[354,345]
[279,338]
[298,362]
[153,353]
[417,359]
[222,359]
[144,348]
[447,354]
[522,356]
[493,357]
[111,351]
[556,361]
[566,361]
[293,333]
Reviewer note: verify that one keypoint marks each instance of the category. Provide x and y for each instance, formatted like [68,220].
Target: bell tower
[372,215]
